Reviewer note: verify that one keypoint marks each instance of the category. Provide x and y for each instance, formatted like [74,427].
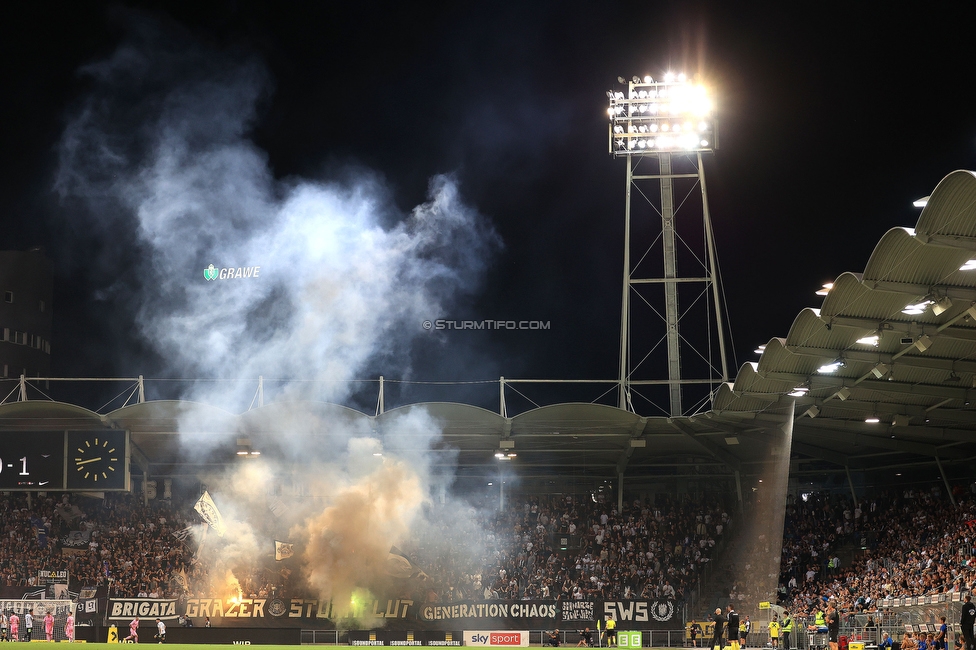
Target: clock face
[96,460]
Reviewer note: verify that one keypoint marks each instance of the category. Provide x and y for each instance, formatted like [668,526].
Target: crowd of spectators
[134,549]
[542,547]
[904,543]
[116,542]
[645,550]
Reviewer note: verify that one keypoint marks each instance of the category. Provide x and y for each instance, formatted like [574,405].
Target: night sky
[834,118]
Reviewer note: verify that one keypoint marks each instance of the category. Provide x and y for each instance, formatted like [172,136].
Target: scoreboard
[64,460]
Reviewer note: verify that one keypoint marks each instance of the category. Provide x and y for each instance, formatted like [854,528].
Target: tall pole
[671,315]
[713,270]
[625,302]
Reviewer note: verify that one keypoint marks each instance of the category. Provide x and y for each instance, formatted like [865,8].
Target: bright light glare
[918,308]
[970,265]
[869,340]
[826,289]
[872,420]
[829,368]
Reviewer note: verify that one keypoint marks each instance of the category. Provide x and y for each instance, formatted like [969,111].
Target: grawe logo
[241,272]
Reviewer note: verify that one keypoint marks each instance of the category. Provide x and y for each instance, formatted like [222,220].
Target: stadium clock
[96,460]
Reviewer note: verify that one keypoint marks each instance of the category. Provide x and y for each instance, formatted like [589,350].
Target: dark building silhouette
[26,290]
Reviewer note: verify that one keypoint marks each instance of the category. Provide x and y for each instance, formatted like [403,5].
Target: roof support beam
[872,324]
[823,454]
[961,416]
[948,241]
[914,361]
[908,288]
[838,432]
[706,444]
[884,386]
[635,433]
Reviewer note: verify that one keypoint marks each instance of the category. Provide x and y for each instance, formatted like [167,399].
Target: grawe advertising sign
[497,638]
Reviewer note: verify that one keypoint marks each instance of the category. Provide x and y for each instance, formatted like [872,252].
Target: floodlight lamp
[648,79]
[621,80]
[668,77]
[642,94]
[636,79]
[704,143]
[681,77]
[872,340]
[941,305]
[921,203]
[923,343]
[880,370]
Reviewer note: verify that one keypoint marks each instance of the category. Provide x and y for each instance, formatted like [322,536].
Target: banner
[283,550]
[501,614]
[76,539]
[38,608]
[183,534]
[208,510]
[125,609]
[406,614]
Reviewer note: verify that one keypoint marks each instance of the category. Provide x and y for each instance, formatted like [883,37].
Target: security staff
[787,629]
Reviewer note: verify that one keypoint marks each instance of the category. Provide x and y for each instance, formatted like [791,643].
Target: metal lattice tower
[662,128]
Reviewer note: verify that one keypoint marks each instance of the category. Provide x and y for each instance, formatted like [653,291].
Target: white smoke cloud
[159,149]
[157,155]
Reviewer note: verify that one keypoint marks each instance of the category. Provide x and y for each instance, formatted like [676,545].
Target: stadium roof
[879,378]
[883,374]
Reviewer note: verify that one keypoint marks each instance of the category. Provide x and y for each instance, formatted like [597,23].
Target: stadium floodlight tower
[662,128]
